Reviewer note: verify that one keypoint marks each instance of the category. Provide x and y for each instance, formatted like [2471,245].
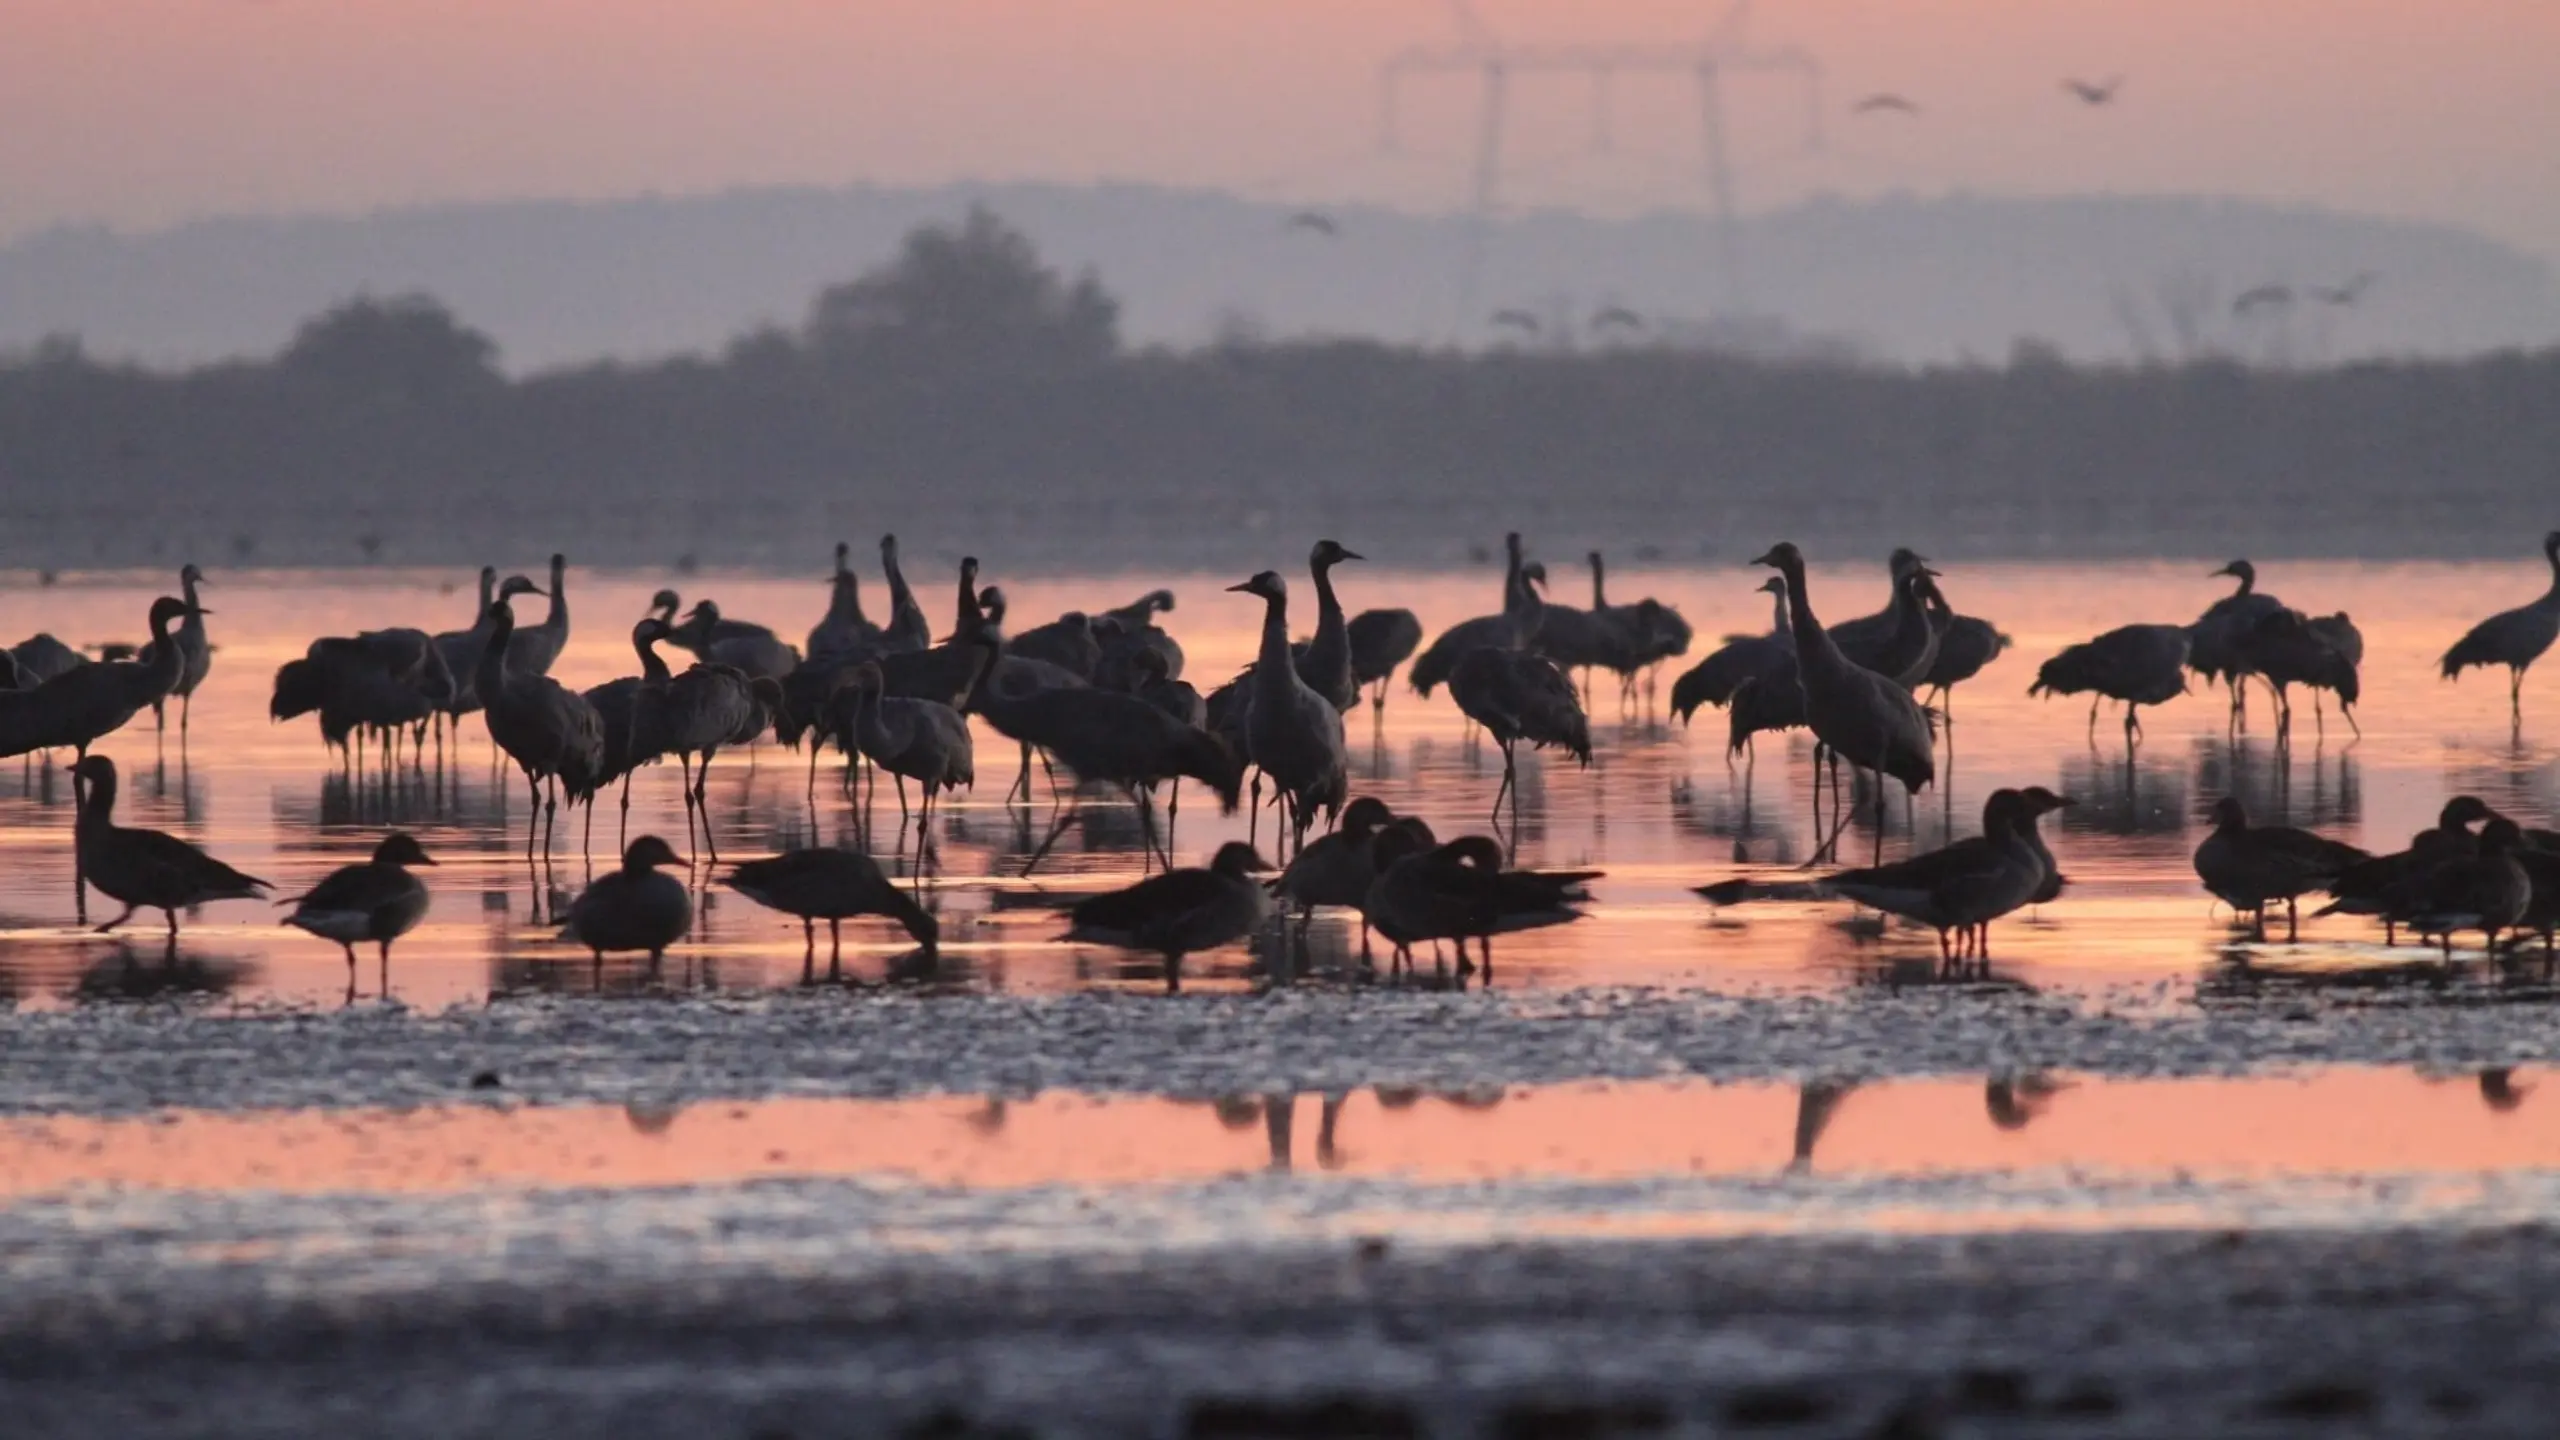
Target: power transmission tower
[1478,50]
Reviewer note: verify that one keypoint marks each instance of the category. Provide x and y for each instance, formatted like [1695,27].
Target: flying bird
[1315,222]
[2101,93]
[1884,101]
[2346,294]
[1520,320]
[2278,296]
[1617,317]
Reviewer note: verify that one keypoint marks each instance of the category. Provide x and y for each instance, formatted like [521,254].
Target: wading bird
[376,902]
[2136,664]
[634,908]
[1181,912]
[2513,638]
[825,883]
[2251,867]
[138,868]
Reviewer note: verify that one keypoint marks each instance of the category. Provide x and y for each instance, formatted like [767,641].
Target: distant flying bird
[1316,222]
[2346,294]
[1617,317]
[1884,101]
[2264,295]
[1520,320]
[2101,93]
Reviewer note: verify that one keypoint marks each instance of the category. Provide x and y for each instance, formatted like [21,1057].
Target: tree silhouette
[971,299]
[407,347]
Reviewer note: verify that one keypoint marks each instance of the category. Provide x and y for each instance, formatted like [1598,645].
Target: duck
[138,868]
[834,885]
[1460,891]
[2250,867]
[1180,912]
[635,907]
[378,900]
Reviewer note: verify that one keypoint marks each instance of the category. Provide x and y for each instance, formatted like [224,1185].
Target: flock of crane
[1101,694]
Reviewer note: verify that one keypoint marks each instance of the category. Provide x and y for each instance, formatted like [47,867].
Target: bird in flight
[1617,317]
[1520,320]
[2264,295]
[1314,220]
[2099,93]
[2346,294]
[1884,101]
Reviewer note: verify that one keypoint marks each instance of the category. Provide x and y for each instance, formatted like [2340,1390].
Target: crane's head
[1783,556]
[843,552]
[515,585]
[651,630]
[889,548]
[1329,553]
[399,848]
[2551,547]
[168,610]
[2241,570]
[1774,585]
[1535,572]
[1904,560]
[188,574]
[706,612]
[1267,584]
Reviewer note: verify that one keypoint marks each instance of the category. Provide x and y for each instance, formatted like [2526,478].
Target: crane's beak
[1933,574]
[1246,587]
[198,610]
[1353,555]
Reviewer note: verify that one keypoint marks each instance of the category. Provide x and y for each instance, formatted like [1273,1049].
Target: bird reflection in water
[2499,1090]
[1279,1124]
[2014,1101]
[1817,1101]
[2262,775]
[2125,795]
[133,970]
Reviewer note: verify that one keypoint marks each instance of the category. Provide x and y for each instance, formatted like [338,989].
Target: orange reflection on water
[2332,1124]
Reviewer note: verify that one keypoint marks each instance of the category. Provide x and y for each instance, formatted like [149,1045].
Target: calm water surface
[1661,810]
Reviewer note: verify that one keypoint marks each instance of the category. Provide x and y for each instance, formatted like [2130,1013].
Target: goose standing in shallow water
[1460,891]
[2487,891]
[2514,638]
[833,885]
[378,901]
[634,908]
[1180,912]
[137,868]
[2251,867]
[2389,887]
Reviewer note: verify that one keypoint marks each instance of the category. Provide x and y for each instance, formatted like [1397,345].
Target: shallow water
[1660,810]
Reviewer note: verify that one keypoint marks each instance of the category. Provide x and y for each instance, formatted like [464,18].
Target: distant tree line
[966,388]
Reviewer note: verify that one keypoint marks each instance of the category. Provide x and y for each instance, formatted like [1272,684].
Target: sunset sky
[140,112]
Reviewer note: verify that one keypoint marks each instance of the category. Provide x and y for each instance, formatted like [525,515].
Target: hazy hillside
[1904,278]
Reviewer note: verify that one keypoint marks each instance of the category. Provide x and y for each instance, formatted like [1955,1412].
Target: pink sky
[139,112]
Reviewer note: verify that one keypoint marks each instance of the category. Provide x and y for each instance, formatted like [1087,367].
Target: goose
[1861,716]
[1713,680]
[533,649]
[2136,664]
[1460,891]
[378,901]
[2250,867]
[1293,734]
[2388,886]
[1956,890]
[2487,890]
[1514,629]
[633,908]
[834,885]
[138,868]
[552,733]
[2513,638]
[1336,869]
[844,629]
[1180,912]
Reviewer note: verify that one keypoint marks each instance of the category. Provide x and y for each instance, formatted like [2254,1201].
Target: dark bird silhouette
[1956,890]
[137,868]
[2262,297]
[1336,869]
[1313,222]
[2513,638]
[40,657]
[2388,887]
[693,716]
[1460,891]
[2251,867]
[552,733]
[2289,648]
[1324,663]
[1863,717]
[86,703]
[907,628]
[1181,912]
[2137,665]
[378,901]
[1616,317]
[1514,629]
[1897,639]
[378,683]
[634,908]
[844,629]
[2487,890]
[2097,93]
[459,650]
[835,886]
[1517,697]
[533,649]
[1966,646]
[194,650]
[1740,659]
[1067,642]
[1381,640]
[1885,102]
[755,652]
[1292,734]
[2217,641]
[1115,739]
[921,740]
[1520,320]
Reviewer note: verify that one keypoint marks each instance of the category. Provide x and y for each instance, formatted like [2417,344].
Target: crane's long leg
[702,803]
[533,817]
